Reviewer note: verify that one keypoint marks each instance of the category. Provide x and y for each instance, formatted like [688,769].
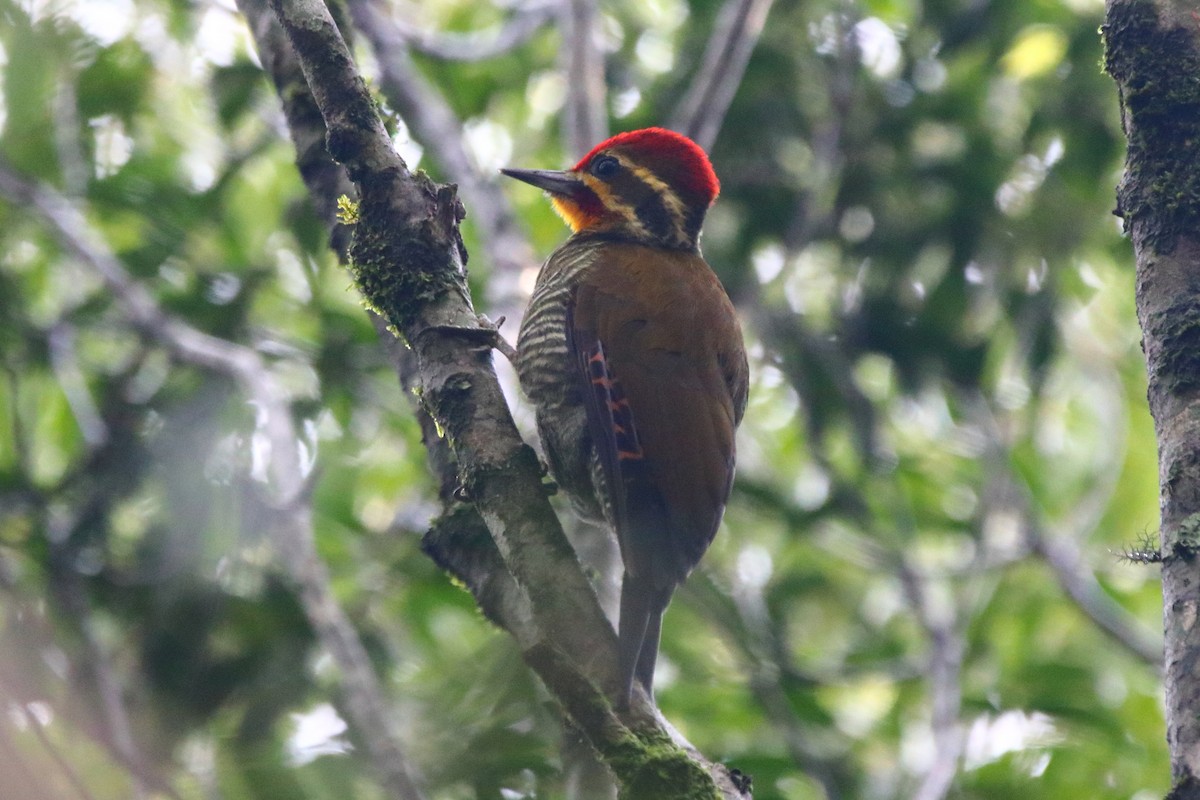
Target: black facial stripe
[652,212]
[693,221]
[657,209]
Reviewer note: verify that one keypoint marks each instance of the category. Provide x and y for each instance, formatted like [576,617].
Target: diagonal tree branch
[18,770]
[459,542]
[434,124]
[407,259]
[525,21]
[947,649]
[11,756]
[96,668]
[1061,550]
[702,110]
[1062,553]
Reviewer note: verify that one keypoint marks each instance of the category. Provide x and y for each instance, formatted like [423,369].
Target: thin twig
[735,33]
[1061,550]
[947,647]
[944,619]
[11,755]
[96,664]
[816,205]
[55,753]
[65,363]
[114,730]
[525,21]
[745,621]
[68,147]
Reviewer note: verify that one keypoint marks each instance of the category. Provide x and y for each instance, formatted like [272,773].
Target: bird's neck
[655,219]
[635,232]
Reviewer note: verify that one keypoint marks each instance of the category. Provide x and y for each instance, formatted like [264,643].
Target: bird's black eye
[605,167]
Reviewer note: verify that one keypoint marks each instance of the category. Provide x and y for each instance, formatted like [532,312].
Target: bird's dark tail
[642,607]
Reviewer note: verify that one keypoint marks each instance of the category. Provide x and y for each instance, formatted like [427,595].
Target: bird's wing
[662,367]
[611,424]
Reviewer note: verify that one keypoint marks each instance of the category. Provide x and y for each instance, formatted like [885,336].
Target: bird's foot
[486,337]
[498,341]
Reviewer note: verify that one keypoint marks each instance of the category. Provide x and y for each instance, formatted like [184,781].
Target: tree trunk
[1153,54]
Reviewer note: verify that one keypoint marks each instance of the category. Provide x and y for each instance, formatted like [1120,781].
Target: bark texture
[1153,54]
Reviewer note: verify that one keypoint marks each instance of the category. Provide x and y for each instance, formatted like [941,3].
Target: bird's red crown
[676,159]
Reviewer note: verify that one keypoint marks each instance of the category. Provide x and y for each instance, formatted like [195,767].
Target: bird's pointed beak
[556,182]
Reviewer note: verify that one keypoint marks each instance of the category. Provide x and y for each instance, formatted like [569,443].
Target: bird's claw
[486,337]
[498,341]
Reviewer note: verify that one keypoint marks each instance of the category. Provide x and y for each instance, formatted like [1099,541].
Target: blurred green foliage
[915,223]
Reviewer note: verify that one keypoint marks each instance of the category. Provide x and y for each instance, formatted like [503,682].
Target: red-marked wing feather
[611,424]
[648,331]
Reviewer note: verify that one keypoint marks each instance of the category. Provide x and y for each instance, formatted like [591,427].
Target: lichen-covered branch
[434,124]
[1153,54]
[407,259]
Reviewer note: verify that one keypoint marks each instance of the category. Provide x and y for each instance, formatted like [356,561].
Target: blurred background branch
[524,20]
[585,112]
[700,113]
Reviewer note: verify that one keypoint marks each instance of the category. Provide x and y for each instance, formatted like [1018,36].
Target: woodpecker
[632,356]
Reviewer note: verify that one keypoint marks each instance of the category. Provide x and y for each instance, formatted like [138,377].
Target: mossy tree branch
[1153,54]
[408,261]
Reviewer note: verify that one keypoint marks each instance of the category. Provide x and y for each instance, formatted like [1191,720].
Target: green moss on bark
[401,262]
[1158,72]
[1177,330]
[655,767]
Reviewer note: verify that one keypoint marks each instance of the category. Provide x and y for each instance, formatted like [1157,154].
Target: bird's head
[650,185]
